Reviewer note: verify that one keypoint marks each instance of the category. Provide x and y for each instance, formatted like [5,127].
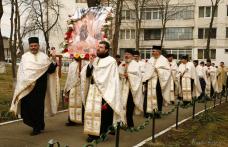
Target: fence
[152,117]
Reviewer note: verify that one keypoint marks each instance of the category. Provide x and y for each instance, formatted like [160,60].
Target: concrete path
[17,134]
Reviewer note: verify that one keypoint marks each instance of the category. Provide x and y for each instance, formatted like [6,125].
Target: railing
[152,117]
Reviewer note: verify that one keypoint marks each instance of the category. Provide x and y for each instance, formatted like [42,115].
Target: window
[201,11]
[174,12]
[178,33]
[206,11]
[227,10]
[81,1]
[227,32]
[201,53]
[132,34]
[180,52]
[127,34]
[122,34]
[204,32]
[200,33]
[152,34]
[128,15]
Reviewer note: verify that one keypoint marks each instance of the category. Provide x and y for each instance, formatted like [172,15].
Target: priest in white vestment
[142,65]
[37,87]
[189,80]
[72,92]
[212,83]
[202,76]
[222,78]
[101,93]
[131,86]
[158,78]
[174,81]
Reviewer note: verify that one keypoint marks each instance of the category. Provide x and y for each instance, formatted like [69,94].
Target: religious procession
[104,89]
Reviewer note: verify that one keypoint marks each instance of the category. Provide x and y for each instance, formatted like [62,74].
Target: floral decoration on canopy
[86,28]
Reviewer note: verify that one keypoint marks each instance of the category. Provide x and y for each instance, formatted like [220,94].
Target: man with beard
[101,92]
[131,86]
[158,77]
[189,81]
[37,87]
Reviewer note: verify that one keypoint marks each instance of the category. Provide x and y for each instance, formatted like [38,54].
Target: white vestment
[142,65]
[201,72]
[73,87]
[174,81]
[157,69]
[222,77]
[106,85]
[31,68]
[186,73]
[133,83]
[211,81]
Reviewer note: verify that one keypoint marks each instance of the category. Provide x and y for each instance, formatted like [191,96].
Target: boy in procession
[72,92]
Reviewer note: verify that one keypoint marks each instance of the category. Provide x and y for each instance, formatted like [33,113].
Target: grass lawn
[6,88]
[211,130]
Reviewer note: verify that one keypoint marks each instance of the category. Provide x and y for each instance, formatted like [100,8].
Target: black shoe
[35,132]
[70,124]
[92,138]
[157,115]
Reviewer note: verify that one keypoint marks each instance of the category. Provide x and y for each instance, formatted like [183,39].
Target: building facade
[186,30]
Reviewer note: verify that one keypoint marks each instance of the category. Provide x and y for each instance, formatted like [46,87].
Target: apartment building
[186,30]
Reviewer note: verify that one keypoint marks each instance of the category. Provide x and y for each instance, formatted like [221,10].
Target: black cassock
[32,105]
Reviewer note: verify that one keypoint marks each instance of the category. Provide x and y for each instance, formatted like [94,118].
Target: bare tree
[2,55]
[214,6]
[167,11]
[12,41]
[39,17]
[138,5]
[117,23]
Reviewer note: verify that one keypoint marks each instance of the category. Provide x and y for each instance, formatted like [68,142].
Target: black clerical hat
[209,60]
[196,61]
[131,51]
[136,53]
[169,55]
[33,40]
[184,57]
[156,47]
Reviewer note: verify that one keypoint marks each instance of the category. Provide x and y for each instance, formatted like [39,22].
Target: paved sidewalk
[17,134]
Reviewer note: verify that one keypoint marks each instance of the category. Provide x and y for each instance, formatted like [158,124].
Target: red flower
[86,56]
[65,50]
[104,107]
